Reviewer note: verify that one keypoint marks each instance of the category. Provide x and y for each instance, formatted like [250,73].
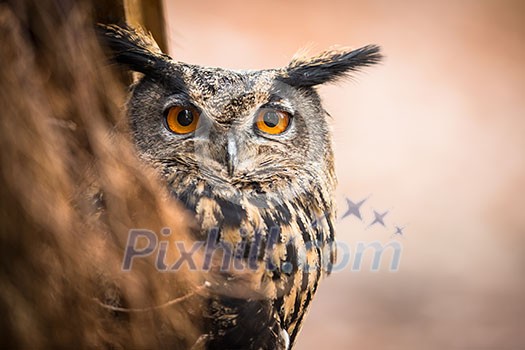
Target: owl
[249,154]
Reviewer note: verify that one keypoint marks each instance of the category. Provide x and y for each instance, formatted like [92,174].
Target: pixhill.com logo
[202,255]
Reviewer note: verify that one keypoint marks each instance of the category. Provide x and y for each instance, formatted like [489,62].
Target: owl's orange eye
[182,120]
[271,121]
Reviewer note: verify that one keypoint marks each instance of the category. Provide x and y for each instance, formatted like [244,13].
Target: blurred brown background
[436,135]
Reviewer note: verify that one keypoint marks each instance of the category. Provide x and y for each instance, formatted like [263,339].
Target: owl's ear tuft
[133,48]
[329,66]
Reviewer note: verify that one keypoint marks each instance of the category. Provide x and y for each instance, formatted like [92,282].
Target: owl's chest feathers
[290,229]
[300,212]
[287,232]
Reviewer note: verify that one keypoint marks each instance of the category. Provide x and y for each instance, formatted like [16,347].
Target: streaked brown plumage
[269,197]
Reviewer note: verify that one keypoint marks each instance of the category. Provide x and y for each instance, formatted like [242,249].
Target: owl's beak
[231,154]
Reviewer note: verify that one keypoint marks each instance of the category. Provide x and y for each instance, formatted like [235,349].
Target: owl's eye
[272,121]
[182,120]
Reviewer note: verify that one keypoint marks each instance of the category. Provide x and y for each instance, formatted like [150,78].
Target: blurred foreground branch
[71,188]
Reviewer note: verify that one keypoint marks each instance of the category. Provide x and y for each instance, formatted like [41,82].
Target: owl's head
[260,128]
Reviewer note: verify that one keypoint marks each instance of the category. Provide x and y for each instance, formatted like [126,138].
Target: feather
[329,66]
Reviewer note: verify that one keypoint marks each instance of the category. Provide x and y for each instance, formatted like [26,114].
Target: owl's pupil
[271,119]
[185,117]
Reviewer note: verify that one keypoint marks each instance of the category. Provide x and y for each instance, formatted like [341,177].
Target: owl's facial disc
[233,129]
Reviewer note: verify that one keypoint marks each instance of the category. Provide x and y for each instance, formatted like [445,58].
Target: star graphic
[379,218]
[354,208]
[399,230]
